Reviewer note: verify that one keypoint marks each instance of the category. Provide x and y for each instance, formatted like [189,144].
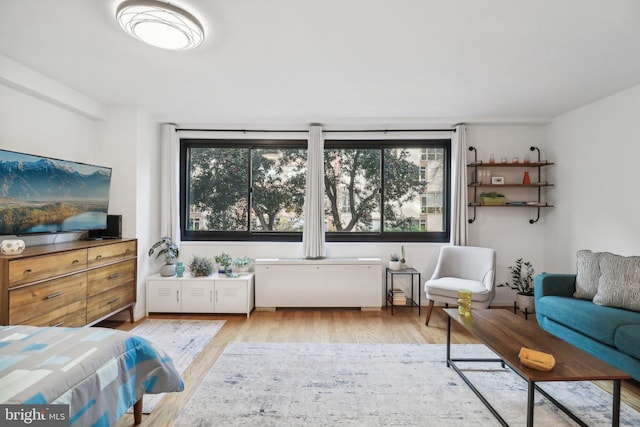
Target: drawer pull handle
[56,295]
[57,324]
[28,270]
[98,256]
[75,261]
[111,301]
[114,275]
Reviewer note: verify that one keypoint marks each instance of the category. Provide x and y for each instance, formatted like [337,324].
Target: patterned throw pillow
[588,274]
[619,284]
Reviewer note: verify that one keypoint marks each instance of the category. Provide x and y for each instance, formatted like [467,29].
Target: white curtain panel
[313,229]
[169,184]
[459,196]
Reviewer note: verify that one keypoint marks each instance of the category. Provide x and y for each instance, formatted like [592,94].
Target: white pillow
[588,274]
[619,284]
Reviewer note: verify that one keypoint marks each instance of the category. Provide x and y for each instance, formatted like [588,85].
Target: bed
[98,372]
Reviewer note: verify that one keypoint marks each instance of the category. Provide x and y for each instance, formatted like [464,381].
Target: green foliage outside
[219,188]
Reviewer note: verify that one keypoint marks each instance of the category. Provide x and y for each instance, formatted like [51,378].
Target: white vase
[168,270]
[12,246]
[241,268]
[526,302]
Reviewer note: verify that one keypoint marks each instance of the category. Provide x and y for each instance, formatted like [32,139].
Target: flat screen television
[45,195]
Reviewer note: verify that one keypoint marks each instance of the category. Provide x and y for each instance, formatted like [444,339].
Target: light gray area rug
[183,340]
[306,384]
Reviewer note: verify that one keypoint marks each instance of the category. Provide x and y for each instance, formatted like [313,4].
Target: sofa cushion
[627,340]
[619,284]
[597,322]
[588,274]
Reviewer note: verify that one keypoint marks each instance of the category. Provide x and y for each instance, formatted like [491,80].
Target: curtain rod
[324,131]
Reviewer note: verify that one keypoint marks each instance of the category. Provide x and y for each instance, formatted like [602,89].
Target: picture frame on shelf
[497,180]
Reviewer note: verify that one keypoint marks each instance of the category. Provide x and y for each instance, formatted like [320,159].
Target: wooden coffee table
[505,333]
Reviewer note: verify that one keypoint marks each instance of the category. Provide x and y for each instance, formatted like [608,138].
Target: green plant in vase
[224,261]
[170,251]
[242,264]
[200,266]
[394,262]
[522,274]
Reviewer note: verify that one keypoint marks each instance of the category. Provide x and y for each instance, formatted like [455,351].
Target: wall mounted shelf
[537,185]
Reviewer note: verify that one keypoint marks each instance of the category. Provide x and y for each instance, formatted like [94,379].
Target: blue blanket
[98,372]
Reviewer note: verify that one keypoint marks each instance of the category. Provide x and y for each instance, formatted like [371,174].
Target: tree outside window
[379,190]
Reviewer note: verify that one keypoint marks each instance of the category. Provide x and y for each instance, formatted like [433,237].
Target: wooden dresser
[68,284]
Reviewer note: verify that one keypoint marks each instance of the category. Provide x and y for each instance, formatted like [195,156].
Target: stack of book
[398,297]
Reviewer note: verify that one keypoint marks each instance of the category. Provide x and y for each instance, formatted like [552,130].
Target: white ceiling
[300,61]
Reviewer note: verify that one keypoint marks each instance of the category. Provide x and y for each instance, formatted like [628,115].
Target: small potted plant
[170,250]
[242,264]
[403,261]
[492,198]
[200,266]
[223,260]
[394,262]
[522,282]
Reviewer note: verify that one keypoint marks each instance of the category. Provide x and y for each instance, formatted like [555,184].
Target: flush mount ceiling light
[160,24]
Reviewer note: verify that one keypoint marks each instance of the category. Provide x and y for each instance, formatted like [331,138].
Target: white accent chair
[462,267]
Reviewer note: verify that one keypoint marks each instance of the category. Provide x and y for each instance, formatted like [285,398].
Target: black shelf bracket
[475,155]
[475,174]
[533,221]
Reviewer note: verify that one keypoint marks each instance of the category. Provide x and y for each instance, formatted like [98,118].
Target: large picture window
[391,190]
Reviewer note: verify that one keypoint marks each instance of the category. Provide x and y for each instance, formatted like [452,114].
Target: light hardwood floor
[313,325]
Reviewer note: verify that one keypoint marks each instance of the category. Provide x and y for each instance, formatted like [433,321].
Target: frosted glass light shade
[160,24]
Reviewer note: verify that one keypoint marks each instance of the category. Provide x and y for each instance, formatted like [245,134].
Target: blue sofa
[609,333]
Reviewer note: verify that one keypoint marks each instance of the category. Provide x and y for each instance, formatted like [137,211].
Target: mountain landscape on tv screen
[45,195]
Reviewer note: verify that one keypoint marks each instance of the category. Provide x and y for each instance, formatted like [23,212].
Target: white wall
[508,230]
[594,148]
[597,148]
[129,140]
[32,126]
[125,141]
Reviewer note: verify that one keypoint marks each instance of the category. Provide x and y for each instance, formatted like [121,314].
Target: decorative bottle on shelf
[526,180]
[180,269]
[464,302]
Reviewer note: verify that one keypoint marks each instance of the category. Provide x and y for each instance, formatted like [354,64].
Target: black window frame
[206,235]
[390,236]
[350,236]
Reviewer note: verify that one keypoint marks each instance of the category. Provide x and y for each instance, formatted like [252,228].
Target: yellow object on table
[536,359]
[464,302]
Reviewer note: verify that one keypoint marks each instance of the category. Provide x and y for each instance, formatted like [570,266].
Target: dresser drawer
[112,276]
[100,255]
[27,270]
[109,301]
[31,301]
[71,316]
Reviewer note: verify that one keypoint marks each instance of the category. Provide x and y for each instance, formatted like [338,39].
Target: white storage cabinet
[328,282]
[212,294]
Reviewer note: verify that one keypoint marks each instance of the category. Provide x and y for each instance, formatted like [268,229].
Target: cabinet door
[164,295]
[197,296]
[231,296]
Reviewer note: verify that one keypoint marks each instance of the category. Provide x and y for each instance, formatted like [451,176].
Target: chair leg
[429,309]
